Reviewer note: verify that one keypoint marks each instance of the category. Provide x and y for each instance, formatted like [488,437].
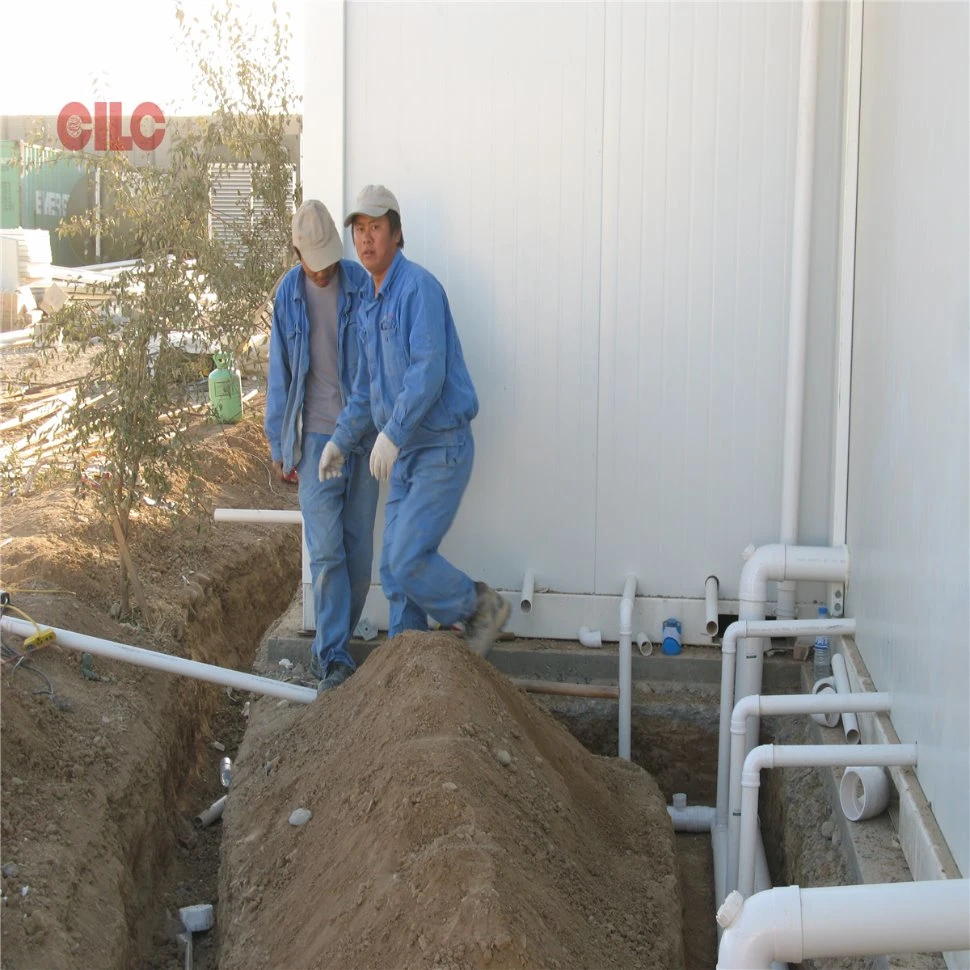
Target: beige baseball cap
[316,236]
[374,201]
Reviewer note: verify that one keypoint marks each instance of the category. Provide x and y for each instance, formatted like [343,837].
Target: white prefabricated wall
[908,518]
[605,191]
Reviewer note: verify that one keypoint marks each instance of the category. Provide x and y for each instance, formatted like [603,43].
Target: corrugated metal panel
[232,206]
[909,485]
[604,190]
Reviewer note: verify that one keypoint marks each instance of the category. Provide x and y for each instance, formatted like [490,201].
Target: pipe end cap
[730,909]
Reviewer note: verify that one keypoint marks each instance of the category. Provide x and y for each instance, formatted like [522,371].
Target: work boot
[482,627]
[316,668]
[337,673]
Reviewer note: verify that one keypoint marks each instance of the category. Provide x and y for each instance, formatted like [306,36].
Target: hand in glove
[382,456]
[331,462]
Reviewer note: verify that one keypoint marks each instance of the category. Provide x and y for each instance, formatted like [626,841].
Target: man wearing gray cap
[313,360]
[414,386]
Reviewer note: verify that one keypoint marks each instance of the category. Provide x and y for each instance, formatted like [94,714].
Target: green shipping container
[9,184]
[48,182]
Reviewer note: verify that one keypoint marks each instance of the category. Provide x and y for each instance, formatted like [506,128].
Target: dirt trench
[103,769]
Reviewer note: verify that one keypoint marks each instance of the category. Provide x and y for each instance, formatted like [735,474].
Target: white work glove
[382,457]
[331,462]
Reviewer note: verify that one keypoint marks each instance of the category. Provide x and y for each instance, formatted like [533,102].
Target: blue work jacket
[412,383]
[289,359]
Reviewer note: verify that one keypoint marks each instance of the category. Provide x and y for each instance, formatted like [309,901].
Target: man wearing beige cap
[414,386]
[313,360]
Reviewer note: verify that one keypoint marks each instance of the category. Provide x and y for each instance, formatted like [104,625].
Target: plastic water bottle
[225,771]
[823,667]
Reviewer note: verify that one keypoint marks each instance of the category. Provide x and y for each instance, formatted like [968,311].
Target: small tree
[190,285]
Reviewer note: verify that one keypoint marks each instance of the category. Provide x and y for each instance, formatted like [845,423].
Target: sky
[55,52]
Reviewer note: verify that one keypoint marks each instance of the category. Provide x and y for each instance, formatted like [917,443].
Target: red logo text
[75,126]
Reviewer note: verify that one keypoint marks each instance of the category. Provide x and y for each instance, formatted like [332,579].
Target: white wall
[605,192]
[909,493]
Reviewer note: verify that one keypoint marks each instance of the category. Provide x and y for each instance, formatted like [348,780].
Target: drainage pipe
[738,630]
[528,591]
[755,705]
[285,516]
[771,563]
[626,664]
[710,606]
[795,924]
[212,814]
[800,756]
[567,690]
[801,250]
[166,662]
[850,723]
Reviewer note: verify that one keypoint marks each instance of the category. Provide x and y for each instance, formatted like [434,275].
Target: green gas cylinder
[225,390]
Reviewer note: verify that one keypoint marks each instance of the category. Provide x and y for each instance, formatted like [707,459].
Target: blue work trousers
[425,491]
[338,525]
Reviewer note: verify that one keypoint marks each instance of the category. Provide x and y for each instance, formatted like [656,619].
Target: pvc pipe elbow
[589,638]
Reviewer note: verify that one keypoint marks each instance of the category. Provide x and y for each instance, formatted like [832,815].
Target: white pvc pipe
[212,814]
[795,924]
[864,792]
[528,591]
[801,248]
[756,705]
[850,723]
[644,645]
[285,516]
[825,685]
[710,606]
[589,638]
[626,664]
[166,662]
[801,756]
[775,562]
[738,630]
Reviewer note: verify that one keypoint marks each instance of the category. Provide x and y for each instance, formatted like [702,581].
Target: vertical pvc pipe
[710,606]
[528,591]
[801,251]
[626,665]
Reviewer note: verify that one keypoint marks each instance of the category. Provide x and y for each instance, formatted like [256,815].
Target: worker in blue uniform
[414,387]
[313,360]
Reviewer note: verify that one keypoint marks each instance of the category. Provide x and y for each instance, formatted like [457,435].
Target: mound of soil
[454,824]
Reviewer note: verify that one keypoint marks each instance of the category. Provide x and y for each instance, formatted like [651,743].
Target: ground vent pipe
[801,756]
[626,664]
[166,662]
[795,924]
[711,622]
[757,705]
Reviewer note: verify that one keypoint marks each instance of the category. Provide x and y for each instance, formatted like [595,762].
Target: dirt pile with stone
[454,824]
